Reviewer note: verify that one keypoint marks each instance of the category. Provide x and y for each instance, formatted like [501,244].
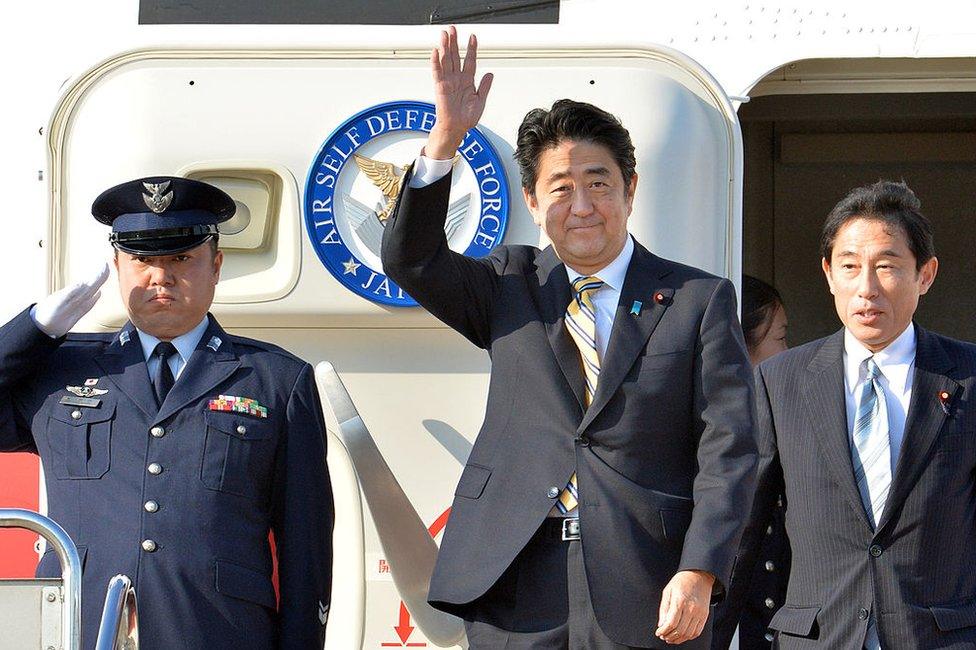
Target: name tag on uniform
[72,400]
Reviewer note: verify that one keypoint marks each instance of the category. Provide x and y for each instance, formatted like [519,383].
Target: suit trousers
[541,602]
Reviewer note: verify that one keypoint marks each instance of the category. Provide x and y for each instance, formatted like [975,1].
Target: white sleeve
[429,170]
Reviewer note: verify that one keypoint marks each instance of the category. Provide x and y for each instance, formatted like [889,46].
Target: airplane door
[291,135]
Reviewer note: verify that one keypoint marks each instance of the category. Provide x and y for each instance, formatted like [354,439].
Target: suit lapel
[125,366]
[554,294]
[826,410]
[924,419]
[630,332]
[206,368]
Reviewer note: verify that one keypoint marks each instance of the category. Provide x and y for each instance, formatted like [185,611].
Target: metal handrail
[67,554]
[119,629]
[409,548]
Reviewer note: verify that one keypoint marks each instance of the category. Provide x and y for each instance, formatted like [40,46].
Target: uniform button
[770,603]
[553,492]
[770,566]
[148,545]
[155,469]
[769,636]
[76,415]
[863,614]
[875,550]
[583,441]
[151,506]
[769,529]
[157,432]
[241,429]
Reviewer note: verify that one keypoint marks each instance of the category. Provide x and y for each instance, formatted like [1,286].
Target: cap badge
[159,201]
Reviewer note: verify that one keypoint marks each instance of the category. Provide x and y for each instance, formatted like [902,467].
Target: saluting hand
[684,606]
[458,103]
[56,314]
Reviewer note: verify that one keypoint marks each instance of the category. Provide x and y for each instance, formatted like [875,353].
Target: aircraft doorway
[815,129]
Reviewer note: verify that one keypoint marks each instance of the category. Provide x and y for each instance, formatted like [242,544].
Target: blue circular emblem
[353,184]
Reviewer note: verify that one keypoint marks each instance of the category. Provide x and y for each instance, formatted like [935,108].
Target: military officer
[171,448]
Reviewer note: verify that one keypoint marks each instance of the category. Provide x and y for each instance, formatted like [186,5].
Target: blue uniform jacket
[180,498]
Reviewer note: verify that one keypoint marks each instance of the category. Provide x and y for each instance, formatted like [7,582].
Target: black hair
[759,302]
[570,120]
[892,203]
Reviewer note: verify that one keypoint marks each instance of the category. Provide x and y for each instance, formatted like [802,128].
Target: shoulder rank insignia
[234,404]
[85,391]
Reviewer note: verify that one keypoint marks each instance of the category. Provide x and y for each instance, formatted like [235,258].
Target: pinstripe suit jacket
[664,456]
[916,573]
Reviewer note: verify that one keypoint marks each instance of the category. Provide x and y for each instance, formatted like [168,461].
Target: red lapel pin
[944,397]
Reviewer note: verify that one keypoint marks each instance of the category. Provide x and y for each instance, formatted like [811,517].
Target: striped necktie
[871,451]
[871,456]
[581,323]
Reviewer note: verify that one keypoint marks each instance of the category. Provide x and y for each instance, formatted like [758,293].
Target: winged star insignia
[158,201]
[389,179]
[347,233]
[85,391]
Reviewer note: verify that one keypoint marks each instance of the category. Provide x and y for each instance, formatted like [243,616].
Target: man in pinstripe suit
[603,501]
[873,434]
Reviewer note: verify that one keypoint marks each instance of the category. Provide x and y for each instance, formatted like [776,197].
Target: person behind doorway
[870,433]
[171,448]
[603,499]
[757,592]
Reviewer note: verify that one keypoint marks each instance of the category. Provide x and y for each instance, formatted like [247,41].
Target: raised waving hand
[458,102]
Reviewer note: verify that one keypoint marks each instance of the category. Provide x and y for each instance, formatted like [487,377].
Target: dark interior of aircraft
[802,153]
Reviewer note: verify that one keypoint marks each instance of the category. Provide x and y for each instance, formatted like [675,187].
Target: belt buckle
[571,529]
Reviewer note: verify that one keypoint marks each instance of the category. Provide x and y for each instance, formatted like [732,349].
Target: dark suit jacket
[664,455]
[915,573]
[227,479]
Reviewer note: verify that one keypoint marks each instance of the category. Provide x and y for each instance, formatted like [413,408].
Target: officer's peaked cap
[162,215]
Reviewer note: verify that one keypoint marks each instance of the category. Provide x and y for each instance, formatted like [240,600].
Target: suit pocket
[954,617]
[675,523]
[238,454]
[474,478]
[798,621]
[80,440]
[240,582]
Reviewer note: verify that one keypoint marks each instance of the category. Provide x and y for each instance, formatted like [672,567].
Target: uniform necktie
[871,454]
[581,323]
[163,381]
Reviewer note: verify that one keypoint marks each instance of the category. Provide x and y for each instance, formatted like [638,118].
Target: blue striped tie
[871,455]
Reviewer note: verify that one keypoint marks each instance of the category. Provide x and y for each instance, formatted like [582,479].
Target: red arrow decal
[404,629]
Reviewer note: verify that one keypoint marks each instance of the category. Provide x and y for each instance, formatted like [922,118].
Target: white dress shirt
[427,171]
[897,364]
[606,297]
[185,344]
